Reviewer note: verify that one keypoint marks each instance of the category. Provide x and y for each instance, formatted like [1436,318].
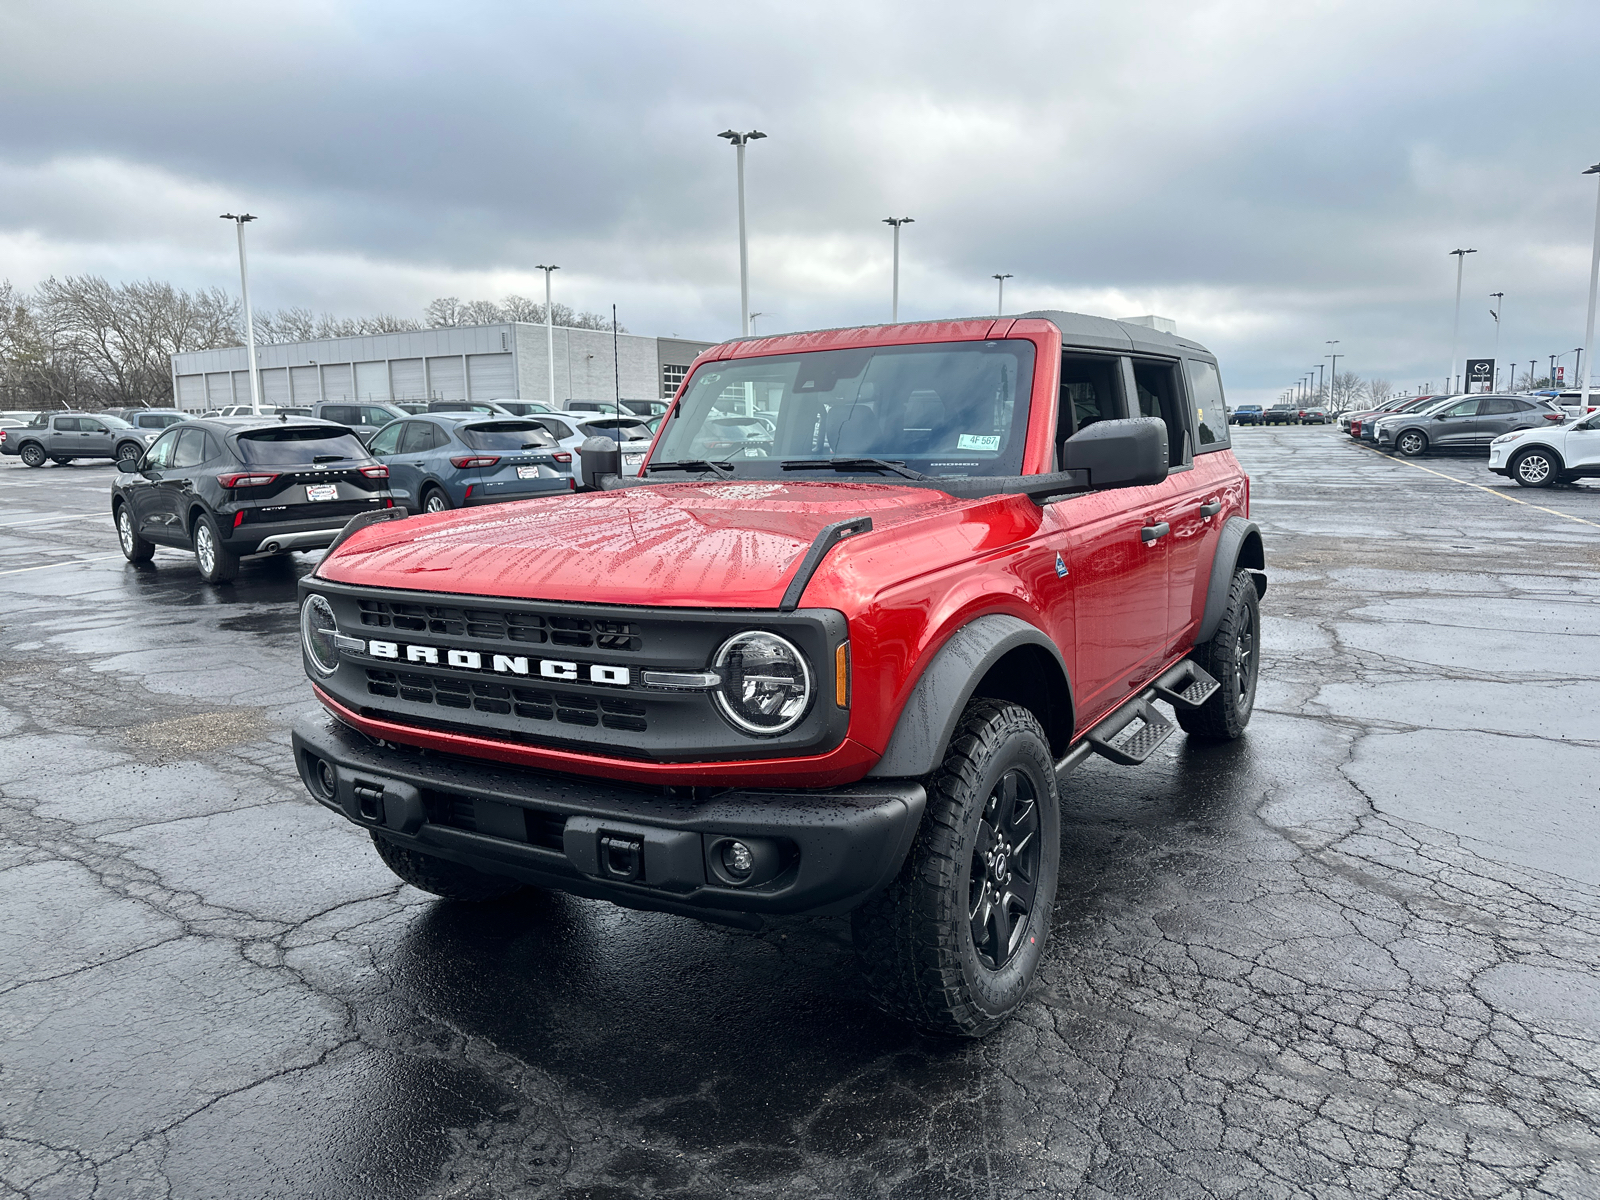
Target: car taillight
[474,460]
[375,472]
[1555,416]
[562,457]
[241,479]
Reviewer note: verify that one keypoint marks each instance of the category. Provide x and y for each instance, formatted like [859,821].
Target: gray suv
[1466,423]
[363,419]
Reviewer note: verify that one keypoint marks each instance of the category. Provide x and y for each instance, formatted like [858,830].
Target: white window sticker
[978,441]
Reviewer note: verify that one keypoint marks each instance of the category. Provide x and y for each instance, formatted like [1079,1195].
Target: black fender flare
[928,720]
[1239,546]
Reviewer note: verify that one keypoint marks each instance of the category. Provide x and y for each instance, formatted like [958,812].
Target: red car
[839,663]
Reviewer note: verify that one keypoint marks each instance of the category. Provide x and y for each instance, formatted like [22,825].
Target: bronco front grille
[501,625]
[502,699]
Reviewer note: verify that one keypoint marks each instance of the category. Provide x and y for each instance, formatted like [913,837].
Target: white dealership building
[470,362]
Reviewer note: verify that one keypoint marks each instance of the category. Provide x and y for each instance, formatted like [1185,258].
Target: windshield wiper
[851,464]
[691,464]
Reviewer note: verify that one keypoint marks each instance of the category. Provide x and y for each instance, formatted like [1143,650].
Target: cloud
[1271,176]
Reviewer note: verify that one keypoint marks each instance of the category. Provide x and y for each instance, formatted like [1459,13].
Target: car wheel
[1233,658]
[953,943]
[129,452]
[1411,443]
[33,454]
[1535,468]
[434,500]
[217,563]
[134,548]
[451,880]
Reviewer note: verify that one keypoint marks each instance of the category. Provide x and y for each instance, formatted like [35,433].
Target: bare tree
[448,311]
[520,308]
[1378,390]
[443,312]
[480,312]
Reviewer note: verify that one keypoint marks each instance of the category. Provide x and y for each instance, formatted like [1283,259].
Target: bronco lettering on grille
[500,664]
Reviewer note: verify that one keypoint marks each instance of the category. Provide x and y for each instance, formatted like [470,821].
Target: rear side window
[505,435]
[191,450]
[1210,418]
[66,425]
[1497,406]
[420,436]
[283,447]
[1159,396]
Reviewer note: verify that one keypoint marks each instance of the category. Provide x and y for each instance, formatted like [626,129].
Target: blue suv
[459,459]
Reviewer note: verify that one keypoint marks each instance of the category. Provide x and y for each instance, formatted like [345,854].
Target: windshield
[505,435]
[282,447]
[948,409]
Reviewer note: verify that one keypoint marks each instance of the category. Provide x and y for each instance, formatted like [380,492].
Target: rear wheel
[1233,658]
[441,876]
[953,943]
[217,563]
[435,500]
[134,548]
[1411,443]
[33,454]
[1535,468]
[63,460]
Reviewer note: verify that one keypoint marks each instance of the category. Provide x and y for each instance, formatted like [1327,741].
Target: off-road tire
[915,940]
[33,455]
[435,499]
[134,548]
[1536,468]
[1411,442]
[1233,658]
[441,876]
[217,563]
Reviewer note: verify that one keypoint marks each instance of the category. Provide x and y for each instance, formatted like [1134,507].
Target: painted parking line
[60,517]
[1492,491]
[71,562]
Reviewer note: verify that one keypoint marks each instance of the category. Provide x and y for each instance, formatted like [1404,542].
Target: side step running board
[1135,731]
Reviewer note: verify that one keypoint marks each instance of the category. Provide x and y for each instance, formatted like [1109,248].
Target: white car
[1541,457]
[632,435]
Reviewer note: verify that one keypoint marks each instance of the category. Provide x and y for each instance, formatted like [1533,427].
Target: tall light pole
[753,317]
[1333,371]
[1000,301]
[894,306]
[549,330]
[1499,299]
[1455,330]
[249,321]
[739,141]
[1594,278]
[1320,365]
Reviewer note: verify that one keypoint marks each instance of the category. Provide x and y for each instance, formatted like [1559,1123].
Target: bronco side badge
[1061,567]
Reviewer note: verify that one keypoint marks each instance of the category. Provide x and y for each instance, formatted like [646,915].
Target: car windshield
[947,409]
[505,435]
[281,447]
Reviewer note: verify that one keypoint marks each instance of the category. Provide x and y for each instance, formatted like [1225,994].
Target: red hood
[715,545]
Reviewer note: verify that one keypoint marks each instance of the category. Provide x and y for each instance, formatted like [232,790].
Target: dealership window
[671,378]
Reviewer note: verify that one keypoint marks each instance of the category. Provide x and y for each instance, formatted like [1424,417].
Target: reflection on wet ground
[1353,954]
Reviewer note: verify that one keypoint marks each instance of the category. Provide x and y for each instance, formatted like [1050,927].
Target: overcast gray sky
[1270,175]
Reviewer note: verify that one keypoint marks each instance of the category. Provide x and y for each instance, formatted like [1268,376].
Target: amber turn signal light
[841,675]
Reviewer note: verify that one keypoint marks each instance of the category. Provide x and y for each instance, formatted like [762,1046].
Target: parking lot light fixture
[239,220]
[1594,280]
[1000,301]
[894,304]
[549,331]
[738,141]
[1455,329]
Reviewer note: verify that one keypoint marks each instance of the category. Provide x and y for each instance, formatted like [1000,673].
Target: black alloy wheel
[33,455]
[1411,443]
[1536,468]
[1005,870]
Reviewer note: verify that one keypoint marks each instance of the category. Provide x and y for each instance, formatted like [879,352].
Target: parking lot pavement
[1356,953]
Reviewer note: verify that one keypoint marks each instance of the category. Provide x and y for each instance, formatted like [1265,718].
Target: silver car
[1464,423]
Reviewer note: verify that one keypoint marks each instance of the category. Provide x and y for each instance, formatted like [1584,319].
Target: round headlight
[766,684]
[317,630]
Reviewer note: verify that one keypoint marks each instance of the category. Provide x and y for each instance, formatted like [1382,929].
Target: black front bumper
[823,851]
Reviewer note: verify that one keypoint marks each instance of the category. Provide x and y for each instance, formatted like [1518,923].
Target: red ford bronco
[872,595]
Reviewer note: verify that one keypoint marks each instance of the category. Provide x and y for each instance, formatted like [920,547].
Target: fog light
[738,859]
[327,779]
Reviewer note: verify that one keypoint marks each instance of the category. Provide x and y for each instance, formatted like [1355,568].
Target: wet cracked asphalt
[1356,953]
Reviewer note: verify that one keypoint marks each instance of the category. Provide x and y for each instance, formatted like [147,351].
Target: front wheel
[953,943]
[129,453]
[217,563]
[441,876]
[33,455]
[1233,658]
[134,548]
[1535,468]
[1411,443]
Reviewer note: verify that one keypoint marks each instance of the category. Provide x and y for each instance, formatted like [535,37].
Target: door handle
[1151,532]
[1211,508]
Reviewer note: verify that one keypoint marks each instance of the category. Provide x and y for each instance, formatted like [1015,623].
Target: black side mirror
[598,457]
[1118,454]
[129,465]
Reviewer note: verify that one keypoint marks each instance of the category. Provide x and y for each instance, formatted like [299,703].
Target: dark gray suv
[1467,423]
